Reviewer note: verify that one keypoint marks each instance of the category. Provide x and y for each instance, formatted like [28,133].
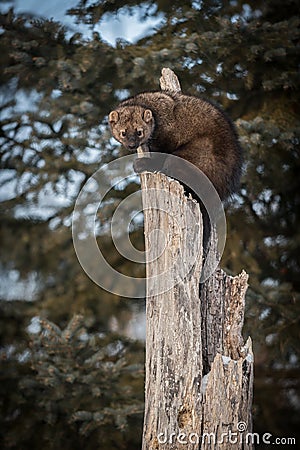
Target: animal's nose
[131,144]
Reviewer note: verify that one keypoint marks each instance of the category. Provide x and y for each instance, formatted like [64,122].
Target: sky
[112,27]
[124,26]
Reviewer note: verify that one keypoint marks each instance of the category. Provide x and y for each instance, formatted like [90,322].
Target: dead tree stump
[199,372]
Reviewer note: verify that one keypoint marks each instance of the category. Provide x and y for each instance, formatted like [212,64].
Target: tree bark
[199,372]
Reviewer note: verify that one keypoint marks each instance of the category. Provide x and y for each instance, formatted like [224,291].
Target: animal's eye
[139,133]
[122,133]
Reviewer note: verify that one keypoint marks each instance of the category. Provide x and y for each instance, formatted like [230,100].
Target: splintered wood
[199,371]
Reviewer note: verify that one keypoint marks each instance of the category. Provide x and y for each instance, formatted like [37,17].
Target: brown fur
[185,126]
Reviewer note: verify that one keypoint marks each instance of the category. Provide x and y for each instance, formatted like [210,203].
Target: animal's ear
[147,115]
[113,116]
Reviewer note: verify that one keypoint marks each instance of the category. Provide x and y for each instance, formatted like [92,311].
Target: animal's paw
[143,164]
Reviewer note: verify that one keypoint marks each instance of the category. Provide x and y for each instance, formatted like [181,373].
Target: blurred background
[72,354]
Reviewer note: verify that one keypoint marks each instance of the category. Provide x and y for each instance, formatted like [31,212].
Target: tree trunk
[199,373]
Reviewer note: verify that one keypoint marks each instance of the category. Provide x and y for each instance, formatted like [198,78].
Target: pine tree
[57,90]
[77,383]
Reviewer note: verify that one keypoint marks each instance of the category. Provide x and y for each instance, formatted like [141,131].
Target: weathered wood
[169,81]
[199,373]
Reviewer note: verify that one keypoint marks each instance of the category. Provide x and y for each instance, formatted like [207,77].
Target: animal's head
[131,125]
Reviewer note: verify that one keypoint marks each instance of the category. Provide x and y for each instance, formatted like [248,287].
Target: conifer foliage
[57,87]
[75,383]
